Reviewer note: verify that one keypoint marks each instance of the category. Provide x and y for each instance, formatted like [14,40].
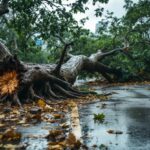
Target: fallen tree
[21,82]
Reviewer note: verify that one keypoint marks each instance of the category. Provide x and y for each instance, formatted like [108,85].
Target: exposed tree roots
[22,83]
[32,84]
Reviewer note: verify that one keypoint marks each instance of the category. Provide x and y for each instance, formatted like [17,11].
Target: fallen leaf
[11,135]
[2,116]
[110,131]
[55,147]
[54,133]
[48,108]
[114,132]
[16,112]
[2,125]
[13,147]
[23,121]
[41,103]
[57,116]
[71,140]
[64,125]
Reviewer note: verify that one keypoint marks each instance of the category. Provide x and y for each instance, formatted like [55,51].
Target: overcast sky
[115,6]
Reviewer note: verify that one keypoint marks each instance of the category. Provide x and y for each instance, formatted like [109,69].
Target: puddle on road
[34,135]
[128,111]
[31,136]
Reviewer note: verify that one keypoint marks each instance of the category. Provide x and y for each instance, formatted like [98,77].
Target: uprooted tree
[22,82]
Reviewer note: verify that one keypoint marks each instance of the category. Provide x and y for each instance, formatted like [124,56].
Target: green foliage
[50,20]
[132,30]
[99,117]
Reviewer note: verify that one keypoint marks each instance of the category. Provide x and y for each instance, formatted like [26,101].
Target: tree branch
[58,67]
[100,55]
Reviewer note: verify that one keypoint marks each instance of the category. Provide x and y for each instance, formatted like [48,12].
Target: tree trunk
[20,82]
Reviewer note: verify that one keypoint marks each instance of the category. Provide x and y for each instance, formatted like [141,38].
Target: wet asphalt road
[128,110]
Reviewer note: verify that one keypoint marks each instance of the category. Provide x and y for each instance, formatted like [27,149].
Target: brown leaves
[56,146]
[114,132]
[70,142]
[38,113]
[10,135]
[13,147]
[54,133]
[8,83]
[41,103]
[2,125]
[58,116]
[64,125]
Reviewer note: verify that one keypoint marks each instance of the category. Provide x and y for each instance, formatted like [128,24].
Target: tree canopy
[50,20]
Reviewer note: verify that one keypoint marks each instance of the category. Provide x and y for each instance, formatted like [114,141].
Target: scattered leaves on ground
[10,135]
[37,112]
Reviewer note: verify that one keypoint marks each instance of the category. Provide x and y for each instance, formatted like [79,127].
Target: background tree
[132,31]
